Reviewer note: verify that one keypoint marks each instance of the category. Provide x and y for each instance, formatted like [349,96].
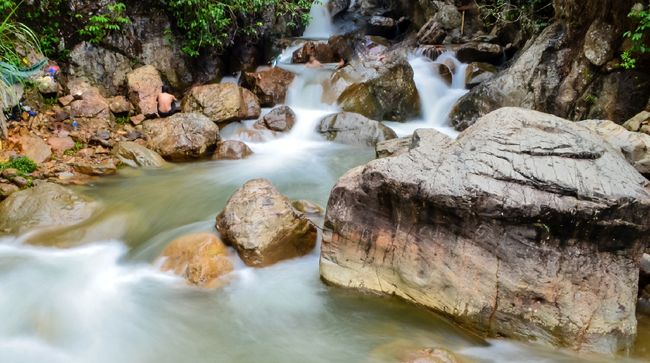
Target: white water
[320,26]
[436,96]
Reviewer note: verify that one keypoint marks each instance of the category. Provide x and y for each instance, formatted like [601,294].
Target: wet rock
[34,148]
[336,7]
[480,52]
[119,105]
[392,147]
[444,72]
[95,167]
[320,51]
[270,86]
[138,156]
[47,85]
[100,66]
[232,150]
[380,91]
[599,41]
[307,207]
[354,129]
[634,146]
[431,33]
[477,73]
[281,118]
[431,355]
[640,122]
[145,85]
[221,102]
[45,205]
[253,109]
[7,190]
[477,227]
[201,258]
[263,226]
[182,136]
[21,182]
[382,26]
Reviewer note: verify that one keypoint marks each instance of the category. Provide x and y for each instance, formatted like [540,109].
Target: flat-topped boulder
[526,226]
[182,136]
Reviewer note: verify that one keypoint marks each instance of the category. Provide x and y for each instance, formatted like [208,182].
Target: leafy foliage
[216,23]
[23,164]
[99,26]
[639,37]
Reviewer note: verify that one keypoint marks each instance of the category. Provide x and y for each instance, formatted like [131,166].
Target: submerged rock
[138,156]
[182,136]
[263,226]
[201,258]
[45,205]
[270,86]
[352,128]
[527,226]
[232,150]
[221,102]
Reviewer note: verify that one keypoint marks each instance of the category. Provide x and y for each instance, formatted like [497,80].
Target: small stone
[7,190]
[95,168]
[119,105]
[9,173]
[66,100]
[137,119]
[21,182]
[232,150]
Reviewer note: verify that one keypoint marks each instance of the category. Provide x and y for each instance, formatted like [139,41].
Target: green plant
[23,164]
[122,120]
[50,101]
[210,23]
[73,150]
[638,37]
[99,26]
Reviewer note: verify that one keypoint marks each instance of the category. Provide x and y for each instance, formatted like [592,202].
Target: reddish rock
[253,109]
[60,144]
[144,86]
[321,51]
[270,86]
[120,105]
[221,102]
[34,148]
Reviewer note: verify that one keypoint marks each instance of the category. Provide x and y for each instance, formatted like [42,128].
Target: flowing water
[104,300]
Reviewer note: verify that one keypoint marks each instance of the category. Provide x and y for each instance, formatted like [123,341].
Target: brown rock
[144,86]
[182,136]
[270,86]
[354,129]
[221,102]
[232,150]
[66,100]
[201,258]
[320,51]
[431,355]
[92,167]
[7,190]
[307,207]
[263,226]
[480,52]
[431,33]
[21,182]
[34,148]
[60,144]
[120,105]
[281,118]
[477,73]
[253,109]
[137,156]
[91,105]
[638,121]
[137,119]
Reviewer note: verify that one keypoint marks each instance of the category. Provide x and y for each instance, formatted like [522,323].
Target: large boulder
[377,90]
[102,67]
[221,102]
[270,86]
[182,136]
[635,146]
[263,226]
[145,85]
[137,156]
[88,101]
[527,226]
[200,258]
[45,205]
[352,128]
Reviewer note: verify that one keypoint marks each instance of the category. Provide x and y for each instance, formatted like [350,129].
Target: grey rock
[352,128]
[182,136]
[501,229]
[138,156]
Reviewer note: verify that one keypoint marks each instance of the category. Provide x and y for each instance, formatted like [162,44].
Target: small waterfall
[320,26]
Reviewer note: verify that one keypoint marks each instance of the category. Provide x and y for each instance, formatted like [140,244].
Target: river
[103,299]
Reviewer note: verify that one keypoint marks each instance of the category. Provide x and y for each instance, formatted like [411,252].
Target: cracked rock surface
[527,226]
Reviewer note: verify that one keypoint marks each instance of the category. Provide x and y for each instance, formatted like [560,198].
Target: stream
[103,299]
